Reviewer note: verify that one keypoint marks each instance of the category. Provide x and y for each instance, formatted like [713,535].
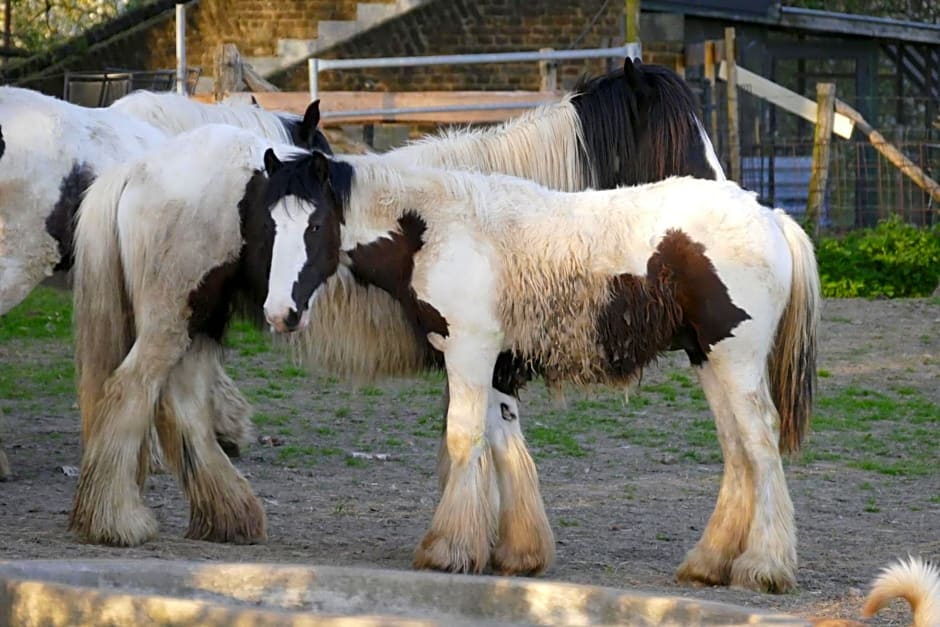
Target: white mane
[175,114]
[544,145]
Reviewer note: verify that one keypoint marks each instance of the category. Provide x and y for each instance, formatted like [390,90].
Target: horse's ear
[320,167]
[271,163]
[308,126]
[631,73]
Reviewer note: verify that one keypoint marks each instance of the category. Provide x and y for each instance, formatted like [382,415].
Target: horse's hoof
[233,524]
[524,549]
[438,553]
[761,573]
[704,568]
[114,526]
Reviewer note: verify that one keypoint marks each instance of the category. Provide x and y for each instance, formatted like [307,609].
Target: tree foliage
[40,24]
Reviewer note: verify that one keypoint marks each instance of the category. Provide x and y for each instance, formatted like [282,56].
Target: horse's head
[306,197]
[305,132]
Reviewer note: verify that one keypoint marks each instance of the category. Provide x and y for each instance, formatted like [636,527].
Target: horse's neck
[545,147]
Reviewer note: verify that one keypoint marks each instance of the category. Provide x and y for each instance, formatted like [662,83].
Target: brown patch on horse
[210,303]
[638,323]
[706,307]
[388,263]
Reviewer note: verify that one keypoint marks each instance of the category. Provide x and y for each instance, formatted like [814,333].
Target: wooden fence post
[734,137]
[712,120]
[228,71]
[548,73]
[825,117]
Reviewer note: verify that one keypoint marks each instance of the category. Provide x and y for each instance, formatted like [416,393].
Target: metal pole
[181,49]
[313,71]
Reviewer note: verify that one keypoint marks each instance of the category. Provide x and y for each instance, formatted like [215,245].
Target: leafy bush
[891,260]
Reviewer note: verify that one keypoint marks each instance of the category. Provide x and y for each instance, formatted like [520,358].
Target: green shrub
[892,260]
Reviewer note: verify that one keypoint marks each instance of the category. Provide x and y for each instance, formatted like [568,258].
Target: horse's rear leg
[231,412]
[222,505]
[767,561]
[108,508]
[709,563]
[525,544]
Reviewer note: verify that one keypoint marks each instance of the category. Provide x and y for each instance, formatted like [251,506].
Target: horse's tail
[913,580]
[103,314]
[792,362]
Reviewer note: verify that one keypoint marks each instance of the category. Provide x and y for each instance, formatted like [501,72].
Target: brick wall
[439,27]
[473,26]
[255,25]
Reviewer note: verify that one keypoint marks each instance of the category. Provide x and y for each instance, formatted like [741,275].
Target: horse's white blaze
[288,257]
[710,155]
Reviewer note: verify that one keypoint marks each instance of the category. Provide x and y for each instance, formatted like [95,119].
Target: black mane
[638,126]
[294,177]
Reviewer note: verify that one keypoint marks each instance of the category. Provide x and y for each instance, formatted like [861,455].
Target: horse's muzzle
[287,323]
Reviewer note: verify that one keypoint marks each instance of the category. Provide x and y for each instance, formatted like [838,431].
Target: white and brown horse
[585,287]
[52,150]
[629,126]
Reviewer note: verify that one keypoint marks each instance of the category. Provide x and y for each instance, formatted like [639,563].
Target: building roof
[807,20]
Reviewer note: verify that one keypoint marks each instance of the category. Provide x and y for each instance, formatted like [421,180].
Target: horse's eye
[314,228]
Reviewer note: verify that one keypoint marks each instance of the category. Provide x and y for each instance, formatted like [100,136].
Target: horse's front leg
[464,526]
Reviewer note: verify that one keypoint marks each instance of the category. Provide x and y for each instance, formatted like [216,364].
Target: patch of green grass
[342,412]
[262,419]
[822,373]
[291,372]
[934,499]
[355,462]
[871,506]
[46,314]
[662,537]
[666,391]
[29,382]
[865,485]
[555,440]
[369,390]
[567,522]
[889,432]
[247,339]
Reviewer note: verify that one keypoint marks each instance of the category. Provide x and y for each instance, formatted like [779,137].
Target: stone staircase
[290,52]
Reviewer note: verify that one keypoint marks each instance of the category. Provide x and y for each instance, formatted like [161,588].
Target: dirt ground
[628,488]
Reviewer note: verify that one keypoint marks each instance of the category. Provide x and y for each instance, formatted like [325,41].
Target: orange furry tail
[913,580]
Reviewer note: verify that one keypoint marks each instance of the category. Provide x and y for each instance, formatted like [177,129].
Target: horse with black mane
[586,287]
[50,153]
[632,125]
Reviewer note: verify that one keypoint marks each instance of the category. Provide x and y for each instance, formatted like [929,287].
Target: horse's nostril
[292,319]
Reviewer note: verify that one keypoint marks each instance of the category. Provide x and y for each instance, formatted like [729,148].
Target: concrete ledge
[147,592]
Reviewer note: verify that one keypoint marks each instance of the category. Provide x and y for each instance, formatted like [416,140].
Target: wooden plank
[892,154]
[335,103]
[825,116]
[784,98]
[734,137]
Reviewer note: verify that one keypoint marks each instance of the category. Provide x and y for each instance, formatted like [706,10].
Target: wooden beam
[825,99]
[631,14]
[337,103]
[734,137]
[892,154]
[784,98]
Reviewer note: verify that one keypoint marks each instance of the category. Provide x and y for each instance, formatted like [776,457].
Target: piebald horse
[632,125]
[584,287]
[52,150]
